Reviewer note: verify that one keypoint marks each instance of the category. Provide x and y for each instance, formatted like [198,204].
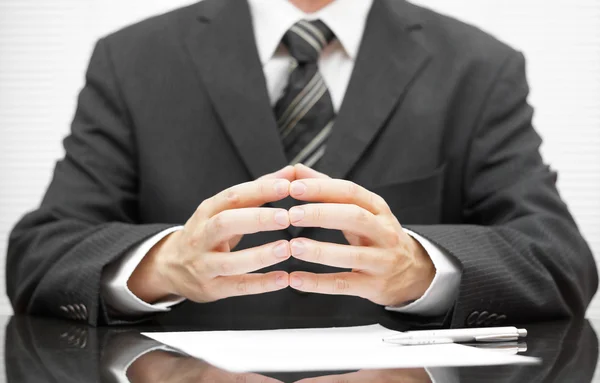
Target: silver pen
[484,334]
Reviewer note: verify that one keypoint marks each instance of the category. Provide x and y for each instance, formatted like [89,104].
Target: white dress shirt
[271,19]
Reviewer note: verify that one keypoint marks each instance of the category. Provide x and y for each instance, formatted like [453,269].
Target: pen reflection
[164,366]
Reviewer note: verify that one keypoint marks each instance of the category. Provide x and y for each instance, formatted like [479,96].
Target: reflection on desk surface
[41,350]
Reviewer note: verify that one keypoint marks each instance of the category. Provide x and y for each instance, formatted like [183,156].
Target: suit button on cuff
[482,318]
[472,318]
[491,320]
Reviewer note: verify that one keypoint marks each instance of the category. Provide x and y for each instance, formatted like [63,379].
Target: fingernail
[298,248]
[281,187]
[281,281]
[296,281]
[281,250]
[282,218]
[298,188]
[296,214]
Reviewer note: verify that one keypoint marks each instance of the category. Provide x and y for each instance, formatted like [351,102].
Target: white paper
[324,349]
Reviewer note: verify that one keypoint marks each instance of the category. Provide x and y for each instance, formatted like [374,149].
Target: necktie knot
[306,39]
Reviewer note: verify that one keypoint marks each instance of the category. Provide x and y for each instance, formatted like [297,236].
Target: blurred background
[45,47]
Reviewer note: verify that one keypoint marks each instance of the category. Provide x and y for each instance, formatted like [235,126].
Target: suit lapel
[222,47]
[388,61]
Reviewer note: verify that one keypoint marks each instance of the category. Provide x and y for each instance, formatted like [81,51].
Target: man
[417,191]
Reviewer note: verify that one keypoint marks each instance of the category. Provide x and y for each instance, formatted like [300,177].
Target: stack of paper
[344,348]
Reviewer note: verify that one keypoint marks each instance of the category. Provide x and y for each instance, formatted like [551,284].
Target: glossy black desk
[44,350]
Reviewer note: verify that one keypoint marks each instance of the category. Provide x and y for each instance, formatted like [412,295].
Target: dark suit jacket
[435,120]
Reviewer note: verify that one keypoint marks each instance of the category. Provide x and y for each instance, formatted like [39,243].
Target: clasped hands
[388,266]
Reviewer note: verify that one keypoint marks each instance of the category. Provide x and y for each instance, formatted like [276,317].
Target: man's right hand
[196,263]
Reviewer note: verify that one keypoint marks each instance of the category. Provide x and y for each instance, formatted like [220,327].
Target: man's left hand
[389,267]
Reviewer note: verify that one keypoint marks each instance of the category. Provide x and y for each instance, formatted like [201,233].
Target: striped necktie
[305,112]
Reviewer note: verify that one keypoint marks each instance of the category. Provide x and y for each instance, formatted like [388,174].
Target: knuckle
[379,202]
[196,267]
[359,258]
[396,262]
[226,268]
[360,215]
[318,213]
[242,286]
[217,223]
[206,293]
[261,218]
[262,258]
[203,205]
[340,285]
[318,254]
[232,196]
[318,188]
[264,283]
[391,237]
[192,241]
[353,189]
[261,189]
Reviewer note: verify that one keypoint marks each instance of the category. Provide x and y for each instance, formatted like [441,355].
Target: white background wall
[45,46]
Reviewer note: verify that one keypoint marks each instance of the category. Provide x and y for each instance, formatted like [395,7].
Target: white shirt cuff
[442,292]
[116,293]
[118,357]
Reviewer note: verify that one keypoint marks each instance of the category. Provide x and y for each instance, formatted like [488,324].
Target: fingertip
[295,280]
[282,279]
[282,250]
[282,218]
[297,247]
[299,168]
[296,214]
[297,188]
[281,187]
[288,173]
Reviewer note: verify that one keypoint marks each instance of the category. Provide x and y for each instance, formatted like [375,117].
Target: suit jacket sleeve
[521,253]
[88,216]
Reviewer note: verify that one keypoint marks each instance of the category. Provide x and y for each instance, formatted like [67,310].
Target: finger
[252,378]
[337,191]
[303,171]
[250,284]
[344,256]
[347,283]
[229,223]
[215,374]
[344,217]
[249,194]
[288,173]
[351,377]
[246,261]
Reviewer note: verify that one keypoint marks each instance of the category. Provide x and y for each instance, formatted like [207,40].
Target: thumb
[303,171]
[288,173]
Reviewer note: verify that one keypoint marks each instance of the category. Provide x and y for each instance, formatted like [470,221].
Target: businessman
[297,162]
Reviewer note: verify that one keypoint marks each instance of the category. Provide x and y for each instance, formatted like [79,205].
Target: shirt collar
[272,18]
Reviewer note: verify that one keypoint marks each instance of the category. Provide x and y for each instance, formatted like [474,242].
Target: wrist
[147,281]
[425,270]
